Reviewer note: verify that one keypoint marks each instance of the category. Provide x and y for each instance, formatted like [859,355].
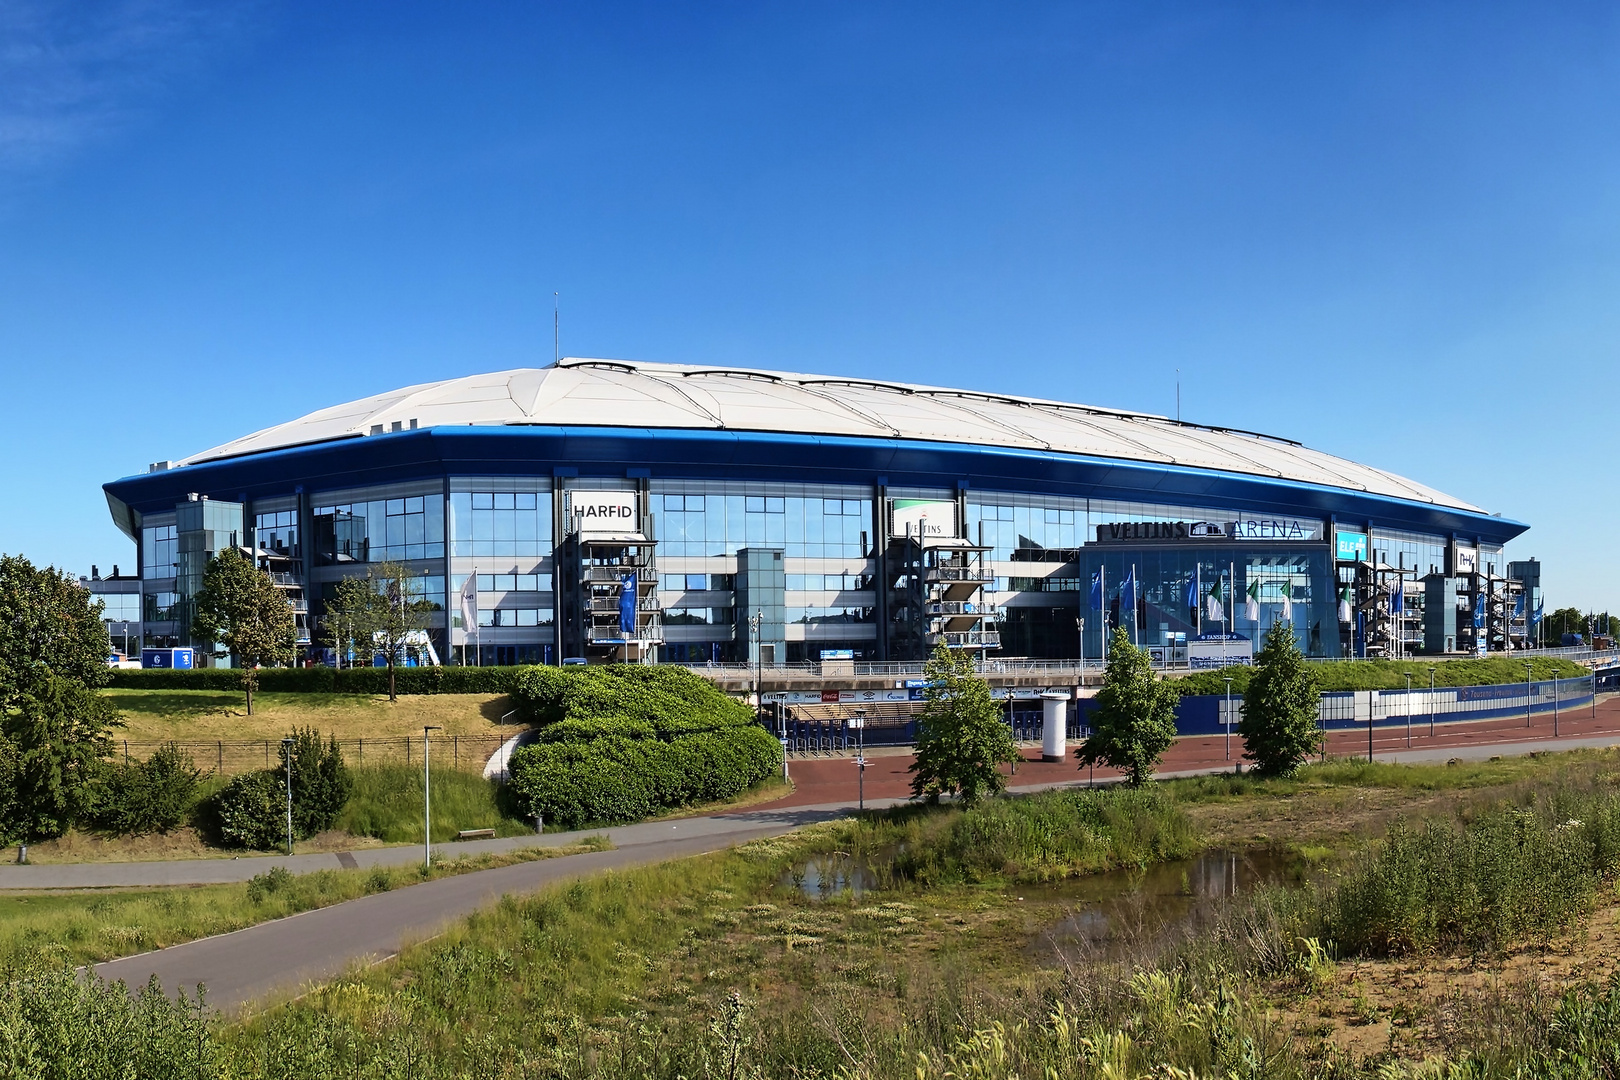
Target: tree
[961,737]
[350,614]
[321,781]
[59,732]
[1135,719]
[1280,707]
[49,625]
[53,726]
[399,616]
[240,607]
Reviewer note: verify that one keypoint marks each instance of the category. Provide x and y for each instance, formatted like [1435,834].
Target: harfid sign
[603,511]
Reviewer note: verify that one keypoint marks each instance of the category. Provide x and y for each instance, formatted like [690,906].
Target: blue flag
[1518,606]
[627,605]
[1192,592]
[1479,610]
[1397,597]
[1536,618]
[1127,590]
[1096,591]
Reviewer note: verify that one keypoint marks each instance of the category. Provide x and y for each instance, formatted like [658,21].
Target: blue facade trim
[670,453]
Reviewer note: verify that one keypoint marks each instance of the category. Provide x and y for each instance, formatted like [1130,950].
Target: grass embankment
[205,716]
[1391,674]
[720,966]
[88,927]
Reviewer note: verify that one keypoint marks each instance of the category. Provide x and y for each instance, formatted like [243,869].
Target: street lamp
[1555,703]
[1431,703]
[286,752]
[859,724]
[1226,721]
[1407,701]
[427,800]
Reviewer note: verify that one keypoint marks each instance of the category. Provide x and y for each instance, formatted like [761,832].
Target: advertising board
[1219,650]
[922,518]
[604,511]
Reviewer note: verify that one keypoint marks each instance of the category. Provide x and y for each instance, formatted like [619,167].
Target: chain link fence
[227,758]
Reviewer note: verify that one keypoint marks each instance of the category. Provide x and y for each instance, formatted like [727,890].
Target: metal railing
[965,639]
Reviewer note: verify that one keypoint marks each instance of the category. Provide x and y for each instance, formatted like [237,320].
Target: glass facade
[718,519]
[160,552]
[379,530]
[1041,554]
[277,531]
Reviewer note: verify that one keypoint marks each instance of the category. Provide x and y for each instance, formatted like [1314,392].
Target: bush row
[324,680]
[612,778]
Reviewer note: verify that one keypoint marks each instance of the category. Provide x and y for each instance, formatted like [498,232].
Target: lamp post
[1407,701]
[1555,703]
[427,800]
[286,752]
[1226,720]
[1431,703]
[859,724]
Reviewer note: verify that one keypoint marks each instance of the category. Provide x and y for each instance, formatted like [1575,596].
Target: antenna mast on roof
[556,327]
[1178,395]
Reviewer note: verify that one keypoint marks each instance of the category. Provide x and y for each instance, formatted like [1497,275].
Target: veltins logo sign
[603,511]
[922,518]
[1118,532]
[1349,546]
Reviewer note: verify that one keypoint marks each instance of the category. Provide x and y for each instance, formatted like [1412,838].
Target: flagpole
[1102,599]
[1136,621]
[1198,594]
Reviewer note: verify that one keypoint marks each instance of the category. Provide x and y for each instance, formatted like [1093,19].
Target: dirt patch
[1410,1005]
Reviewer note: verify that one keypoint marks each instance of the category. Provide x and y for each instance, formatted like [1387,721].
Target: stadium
[610,510]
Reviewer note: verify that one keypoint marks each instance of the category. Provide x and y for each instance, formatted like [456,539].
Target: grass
[1391,674]
[387,805]
[718,967]
[84,927]
[155,716]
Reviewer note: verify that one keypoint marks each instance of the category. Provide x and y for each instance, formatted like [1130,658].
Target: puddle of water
[1113,910]
[823,876]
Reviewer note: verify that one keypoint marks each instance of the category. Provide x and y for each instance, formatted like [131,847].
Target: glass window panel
[505,500]
[483,500]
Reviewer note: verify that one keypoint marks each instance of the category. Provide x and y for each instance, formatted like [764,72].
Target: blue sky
[1389,231]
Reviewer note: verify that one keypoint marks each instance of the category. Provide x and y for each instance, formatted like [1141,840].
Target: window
[515,616]
[382,530]
[500,524]
[685,616]
[159,552]
[119,607]
[818,615]
[804,526]
[161,607]
[277,532]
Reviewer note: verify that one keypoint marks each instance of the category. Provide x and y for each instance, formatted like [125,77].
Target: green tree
[1135,719]
[58,730]
[240,607]
[399,618]
[350,615]
[961,738]
[49,626]
[320,780]
[1280,706]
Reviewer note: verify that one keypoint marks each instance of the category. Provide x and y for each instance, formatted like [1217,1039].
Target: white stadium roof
[616,393]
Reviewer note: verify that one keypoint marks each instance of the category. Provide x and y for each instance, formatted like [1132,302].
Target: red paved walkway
[834,779]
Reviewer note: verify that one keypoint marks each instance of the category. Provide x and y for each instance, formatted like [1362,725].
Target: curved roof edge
[634,395]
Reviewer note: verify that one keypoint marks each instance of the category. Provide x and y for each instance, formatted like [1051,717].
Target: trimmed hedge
[324,680]
[614,779]
[621,742]
[672,700]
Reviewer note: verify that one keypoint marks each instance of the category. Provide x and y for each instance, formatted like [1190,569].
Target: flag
[1536,617]
[1479,611]
[1127,590]
[1397,597]
[1345,614]
[627,605]
[1288,600]
[1192,593]
[1214,608]
[469,603]
[1251,606]
[1518,606]
[1096,591]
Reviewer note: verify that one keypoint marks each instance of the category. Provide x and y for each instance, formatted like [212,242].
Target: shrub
[611,778]
[155,795]
[251,810]
[321,784]
[1134,722]
[673,700]
[261,887]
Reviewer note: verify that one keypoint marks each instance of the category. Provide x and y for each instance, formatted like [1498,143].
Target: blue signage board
[838,654]
[178,659]
[1349,546]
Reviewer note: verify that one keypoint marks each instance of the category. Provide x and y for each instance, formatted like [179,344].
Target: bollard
[22,854]
[539,823]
